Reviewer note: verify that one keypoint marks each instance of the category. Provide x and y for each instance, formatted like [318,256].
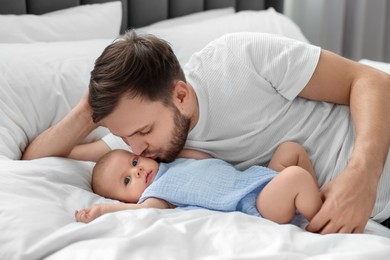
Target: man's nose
[137,145]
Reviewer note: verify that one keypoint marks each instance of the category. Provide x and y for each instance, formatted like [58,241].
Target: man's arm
[90,151]
[350,198]
[63,138]
[193,154]
[95,211]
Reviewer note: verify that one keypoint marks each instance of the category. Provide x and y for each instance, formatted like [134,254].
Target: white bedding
[39,84]
[39,198]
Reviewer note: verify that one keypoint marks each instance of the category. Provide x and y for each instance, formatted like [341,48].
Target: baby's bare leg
[290,154]
[292,189]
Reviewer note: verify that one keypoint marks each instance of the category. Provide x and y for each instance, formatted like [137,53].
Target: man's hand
[348,203]
[91,213]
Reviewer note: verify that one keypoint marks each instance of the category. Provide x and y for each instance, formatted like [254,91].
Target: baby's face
[129,175]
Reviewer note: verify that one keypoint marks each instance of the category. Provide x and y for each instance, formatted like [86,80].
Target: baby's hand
[89,214]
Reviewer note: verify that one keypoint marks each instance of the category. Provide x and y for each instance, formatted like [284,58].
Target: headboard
[138,13]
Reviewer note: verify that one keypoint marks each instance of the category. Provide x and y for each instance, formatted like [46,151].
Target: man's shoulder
[248,35]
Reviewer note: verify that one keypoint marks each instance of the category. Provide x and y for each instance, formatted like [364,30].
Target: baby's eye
[127,180]
[134,162]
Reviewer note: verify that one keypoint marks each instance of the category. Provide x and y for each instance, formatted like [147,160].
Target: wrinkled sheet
[39,198]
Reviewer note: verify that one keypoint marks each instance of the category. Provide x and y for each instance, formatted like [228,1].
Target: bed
[47,50]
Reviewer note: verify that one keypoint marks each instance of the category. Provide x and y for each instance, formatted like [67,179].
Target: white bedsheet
[39,198]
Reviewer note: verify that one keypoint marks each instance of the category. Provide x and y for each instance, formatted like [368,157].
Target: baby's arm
[95,211]
[291,154]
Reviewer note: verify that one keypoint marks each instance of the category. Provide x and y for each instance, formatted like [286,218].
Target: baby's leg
[292,189]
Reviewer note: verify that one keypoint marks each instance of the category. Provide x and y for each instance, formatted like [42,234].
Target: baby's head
[123,176]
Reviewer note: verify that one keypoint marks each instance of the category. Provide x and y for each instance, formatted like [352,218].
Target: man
[239,98]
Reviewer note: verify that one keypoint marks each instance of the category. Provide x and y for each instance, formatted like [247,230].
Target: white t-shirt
[247,86]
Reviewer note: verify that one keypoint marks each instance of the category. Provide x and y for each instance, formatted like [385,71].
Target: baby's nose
[139,171]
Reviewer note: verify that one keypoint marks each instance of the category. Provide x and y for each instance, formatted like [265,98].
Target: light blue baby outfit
[210,183]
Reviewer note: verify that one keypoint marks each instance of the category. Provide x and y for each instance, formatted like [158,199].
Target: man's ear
[181,94]
[184,98]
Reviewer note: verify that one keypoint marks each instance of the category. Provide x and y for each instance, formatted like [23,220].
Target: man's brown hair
[141,66]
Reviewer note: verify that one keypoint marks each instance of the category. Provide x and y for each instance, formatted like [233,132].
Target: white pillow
[190,18]
[39,84]
[77,23]
[190,38]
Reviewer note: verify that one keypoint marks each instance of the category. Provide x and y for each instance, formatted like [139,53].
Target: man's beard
[179,136]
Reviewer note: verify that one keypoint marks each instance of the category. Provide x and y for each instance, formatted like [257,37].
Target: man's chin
[167,159]
[164,160]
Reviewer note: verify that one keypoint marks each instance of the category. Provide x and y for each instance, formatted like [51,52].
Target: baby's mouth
[148,177]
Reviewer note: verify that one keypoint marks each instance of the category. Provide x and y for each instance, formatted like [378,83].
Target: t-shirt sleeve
[287,64]
[115,142]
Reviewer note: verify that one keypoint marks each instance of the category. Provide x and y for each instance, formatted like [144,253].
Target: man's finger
[318,222]
[345,230]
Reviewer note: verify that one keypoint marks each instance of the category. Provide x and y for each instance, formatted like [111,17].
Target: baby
[275,193]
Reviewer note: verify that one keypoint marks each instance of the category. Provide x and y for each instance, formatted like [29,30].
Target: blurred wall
[356,29]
